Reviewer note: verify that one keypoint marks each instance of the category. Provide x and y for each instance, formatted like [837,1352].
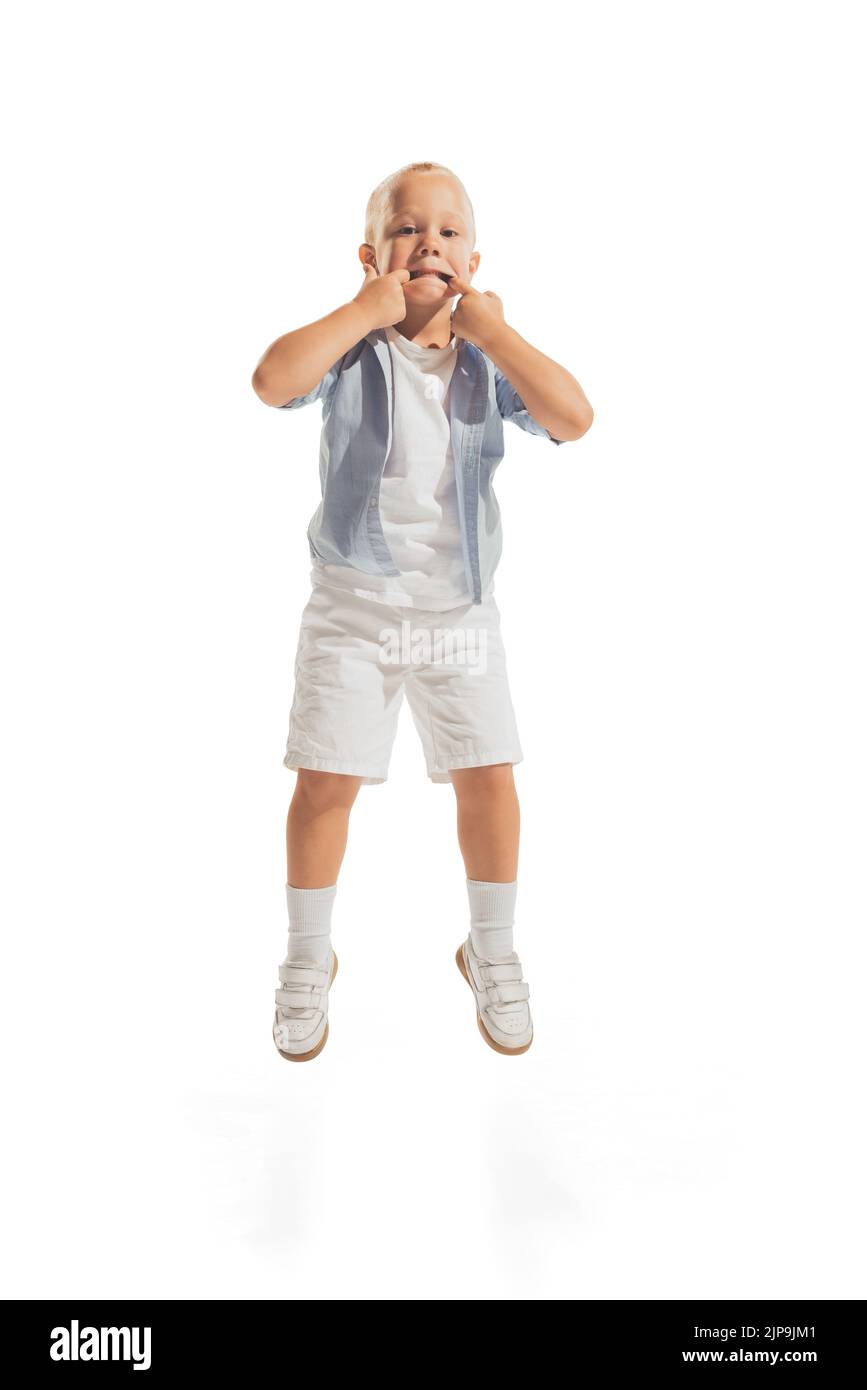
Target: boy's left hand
[477,316]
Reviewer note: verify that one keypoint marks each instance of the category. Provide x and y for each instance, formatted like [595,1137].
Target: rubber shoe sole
[314,1051]
[498,1047]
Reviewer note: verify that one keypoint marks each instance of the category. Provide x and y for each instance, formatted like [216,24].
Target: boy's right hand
[381,296]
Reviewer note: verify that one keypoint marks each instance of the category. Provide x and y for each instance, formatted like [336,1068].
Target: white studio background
[669,202]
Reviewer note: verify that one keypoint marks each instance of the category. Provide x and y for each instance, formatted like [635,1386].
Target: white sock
[492,917]
[309,923]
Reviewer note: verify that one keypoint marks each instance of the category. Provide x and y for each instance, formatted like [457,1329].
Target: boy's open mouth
[443,274]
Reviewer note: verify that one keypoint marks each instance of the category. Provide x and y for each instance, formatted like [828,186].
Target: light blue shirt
[357,396]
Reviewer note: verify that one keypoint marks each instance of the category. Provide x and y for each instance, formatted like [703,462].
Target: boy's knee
[322,791]
[483,781]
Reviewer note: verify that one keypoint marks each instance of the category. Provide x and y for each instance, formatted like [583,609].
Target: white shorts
[355,658]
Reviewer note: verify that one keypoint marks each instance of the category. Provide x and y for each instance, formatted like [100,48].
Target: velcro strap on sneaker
[303,975]
[507,993]
[299,999]
[493,974]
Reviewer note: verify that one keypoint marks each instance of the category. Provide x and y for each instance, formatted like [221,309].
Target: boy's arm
[532,389]
[304,364]
[291,371]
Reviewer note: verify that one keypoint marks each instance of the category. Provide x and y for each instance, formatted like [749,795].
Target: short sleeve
[320,392]
[511,407]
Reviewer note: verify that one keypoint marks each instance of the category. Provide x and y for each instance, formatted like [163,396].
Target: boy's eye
[447,230]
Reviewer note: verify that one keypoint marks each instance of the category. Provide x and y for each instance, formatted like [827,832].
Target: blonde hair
[380,198]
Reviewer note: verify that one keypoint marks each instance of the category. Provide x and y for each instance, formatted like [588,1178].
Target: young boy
[405,541]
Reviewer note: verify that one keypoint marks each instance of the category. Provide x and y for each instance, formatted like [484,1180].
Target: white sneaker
[300,1028]
[502,1011]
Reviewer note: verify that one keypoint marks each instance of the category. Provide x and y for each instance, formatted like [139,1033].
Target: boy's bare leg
[489,821]
[317,827]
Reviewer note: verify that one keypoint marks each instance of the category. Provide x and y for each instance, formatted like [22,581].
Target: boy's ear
[367,255]
[474,261]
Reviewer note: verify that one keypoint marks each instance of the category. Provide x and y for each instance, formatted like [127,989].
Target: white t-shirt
[418,501]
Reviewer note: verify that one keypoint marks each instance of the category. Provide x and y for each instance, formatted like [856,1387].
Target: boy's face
[427,227]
